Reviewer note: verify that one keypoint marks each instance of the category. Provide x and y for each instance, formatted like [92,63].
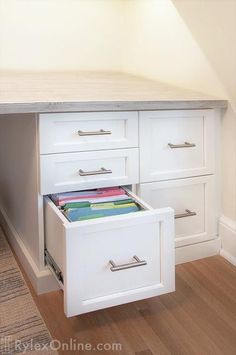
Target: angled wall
[212,24]
[159,45]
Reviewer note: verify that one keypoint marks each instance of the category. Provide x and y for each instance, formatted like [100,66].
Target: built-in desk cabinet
[168,157]
[69,131]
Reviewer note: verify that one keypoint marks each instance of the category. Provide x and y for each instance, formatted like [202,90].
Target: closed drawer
[194,203]
[176,144]
[78,171]
[83,252]
[70,132]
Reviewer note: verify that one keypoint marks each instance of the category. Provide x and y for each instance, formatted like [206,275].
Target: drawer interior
[79,206]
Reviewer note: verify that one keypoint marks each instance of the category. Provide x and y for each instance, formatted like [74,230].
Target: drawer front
[95,257]
[176,144]
[194,203]
[71,132]
[78,171]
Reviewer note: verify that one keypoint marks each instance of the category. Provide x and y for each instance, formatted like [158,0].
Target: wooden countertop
[94,91]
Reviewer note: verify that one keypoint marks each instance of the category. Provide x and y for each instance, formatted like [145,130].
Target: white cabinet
[107,261]
[176,144]
[85,170]
[194,203]
[71,132]
[178,169]
[170,157]
[112,260]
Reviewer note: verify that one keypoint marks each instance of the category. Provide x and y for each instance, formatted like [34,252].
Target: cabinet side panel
[19,198]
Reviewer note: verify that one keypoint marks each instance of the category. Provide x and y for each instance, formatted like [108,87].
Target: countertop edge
[93,106]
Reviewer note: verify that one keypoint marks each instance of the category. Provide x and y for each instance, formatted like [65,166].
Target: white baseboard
[197,251]
[42,280]
[227,230]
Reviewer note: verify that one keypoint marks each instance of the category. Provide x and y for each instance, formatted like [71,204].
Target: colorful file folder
[97,203]
[104,193]
[81,214]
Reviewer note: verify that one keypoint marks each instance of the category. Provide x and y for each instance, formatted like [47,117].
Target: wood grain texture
[94,91]
[199,318]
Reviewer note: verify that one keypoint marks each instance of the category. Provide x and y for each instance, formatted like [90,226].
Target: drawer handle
[95,172]
[187,214]
[101,132]
[184,145]
[135,263]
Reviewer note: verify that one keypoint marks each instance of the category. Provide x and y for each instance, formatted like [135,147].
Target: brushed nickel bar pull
[184,145]
[135,263]
[102,171]
[101,132]
[187,214]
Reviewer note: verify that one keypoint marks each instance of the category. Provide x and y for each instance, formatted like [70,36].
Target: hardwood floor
[199,318]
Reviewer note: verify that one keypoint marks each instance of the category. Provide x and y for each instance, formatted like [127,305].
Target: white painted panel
[197,251]
[83,249]
[120,245]
[158,129]
[227,232]
[194,194]
[61,172]
[70,132]
[18,181]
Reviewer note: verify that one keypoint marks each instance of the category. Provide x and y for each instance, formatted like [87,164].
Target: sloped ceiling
[159,44]
[213,26]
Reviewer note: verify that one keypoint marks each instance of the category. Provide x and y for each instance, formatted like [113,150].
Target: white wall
[60,34]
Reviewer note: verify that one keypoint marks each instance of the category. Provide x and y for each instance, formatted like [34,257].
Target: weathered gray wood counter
[88,91]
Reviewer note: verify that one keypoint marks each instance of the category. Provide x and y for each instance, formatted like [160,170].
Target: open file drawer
[112,260]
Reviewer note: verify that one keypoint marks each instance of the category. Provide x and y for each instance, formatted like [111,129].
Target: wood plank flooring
[198,319]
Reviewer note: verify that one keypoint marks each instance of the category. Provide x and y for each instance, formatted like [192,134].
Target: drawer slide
[53,266]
